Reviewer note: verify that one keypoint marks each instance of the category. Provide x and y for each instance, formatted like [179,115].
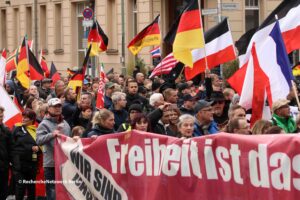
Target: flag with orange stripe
[77,79]
[35,69]
[186,33]
[44,65]
[23,66]
[149,36]
[97,39]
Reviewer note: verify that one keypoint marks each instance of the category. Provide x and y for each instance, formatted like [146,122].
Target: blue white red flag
[156,52]
[268,75]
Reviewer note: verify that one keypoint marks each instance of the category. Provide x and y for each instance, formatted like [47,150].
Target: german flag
[23,67]
[54,75]
[71,72]
[77,79]
[149,36]
[35,69]
[186,33]
[44,65]
[296,70]
[97,39]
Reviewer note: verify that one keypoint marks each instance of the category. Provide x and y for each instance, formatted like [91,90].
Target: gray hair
[116,96]
[184,118]
[154,98]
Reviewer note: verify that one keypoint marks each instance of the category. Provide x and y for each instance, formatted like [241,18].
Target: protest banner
[139,165]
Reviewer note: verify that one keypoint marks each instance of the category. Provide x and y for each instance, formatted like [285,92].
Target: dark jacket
[154,118]
[120,116]
[6,145]
[99,130]
[183,111]
[68,109]
[137,99]
[107,102]
[22,148]
[44,93]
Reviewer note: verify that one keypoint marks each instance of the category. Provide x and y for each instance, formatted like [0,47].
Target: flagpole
[205,57]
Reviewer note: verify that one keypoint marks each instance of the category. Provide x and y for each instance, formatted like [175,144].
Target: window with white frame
[251,14]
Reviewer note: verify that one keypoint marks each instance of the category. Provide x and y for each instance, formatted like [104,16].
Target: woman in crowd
[186,126]
[103,123]
[172,129]
[141,122]
[25,155]
[260,127]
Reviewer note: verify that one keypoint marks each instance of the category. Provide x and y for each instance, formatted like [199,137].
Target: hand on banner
[35,149]
[76,138]
[56,133]
[94,137]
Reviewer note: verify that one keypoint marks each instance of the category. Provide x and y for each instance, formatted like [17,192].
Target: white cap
[54,102]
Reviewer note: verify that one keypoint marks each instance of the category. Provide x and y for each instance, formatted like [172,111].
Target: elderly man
[204,124]
[118,108]
[282,116]
[156,100]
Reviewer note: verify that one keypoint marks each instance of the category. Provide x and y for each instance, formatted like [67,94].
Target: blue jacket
[198,130]
[120,116]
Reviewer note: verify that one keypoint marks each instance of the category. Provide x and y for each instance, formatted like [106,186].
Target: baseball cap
[136,107]
[54,102]
[279,103]
[201,104]
[109,85]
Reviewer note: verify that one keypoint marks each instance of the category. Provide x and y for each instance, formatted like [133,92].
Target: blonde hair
[101,116]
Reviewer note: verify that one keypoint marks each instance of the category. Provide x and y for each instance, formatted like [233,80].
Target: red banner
[139,165]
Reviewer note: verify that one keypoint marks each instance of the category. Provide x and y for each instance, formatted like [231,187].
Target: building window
[58,27]
[16,29]
[251,14]
[29,22]
[112,32]
[43,27]
[3,35]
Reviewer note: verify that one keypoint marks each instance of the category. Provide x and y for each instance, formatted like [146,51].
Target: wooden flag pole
[205,57]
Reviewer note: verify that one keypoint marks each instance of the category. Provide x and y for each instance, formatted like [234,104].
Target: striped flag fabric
[100,94]
[12,115]
[43,64]
[219,49]
[188,25]
[97,39]
[54,75]
[149,36]
[165,66]
[296,70]
[2,67]
[156,53]
[289,22]
[12,60]
[35,69]
[23,65]
[268,72]
[76,80]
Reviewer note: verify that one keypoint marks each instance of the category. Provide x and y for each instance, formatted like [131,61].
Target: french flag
[155,52]
[289,22]
[219,49]
[268,75]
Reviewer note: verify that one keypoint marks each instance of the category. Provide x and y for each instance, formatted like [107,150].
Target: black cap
[217,96]
[182,86]
[166,85]
[47,80]
[136,107]
[155,86]
[201,104]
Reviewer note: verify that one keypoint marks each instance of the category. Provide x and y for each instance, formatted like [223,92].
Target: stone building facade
[58,27]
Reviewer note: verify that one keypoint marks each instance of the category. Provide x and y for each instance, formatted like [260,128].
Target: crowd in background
[177,109]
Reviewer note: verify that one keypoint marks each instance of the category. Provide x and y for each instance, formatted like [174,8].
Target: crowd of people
[177,109]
